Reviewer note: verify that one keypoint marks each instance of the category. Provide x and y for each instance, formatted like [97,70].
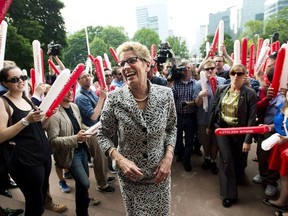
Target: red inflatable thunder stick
[213,83]
[98,63]
[251,60]
[72,81]
[278,70]
[4,6]
[242,130]
[53,66]
[33,79]
[244,48]
[214,42]
[113,53]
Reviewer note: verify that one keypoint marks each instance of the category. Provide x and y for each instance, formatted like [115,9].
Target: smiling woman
[143,164]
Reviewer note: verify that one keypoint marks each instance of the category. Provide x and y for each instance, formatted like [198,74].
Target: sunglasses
[211,68]
[108,75]
[17,79]
[233,73]
[120,74]
[130,61]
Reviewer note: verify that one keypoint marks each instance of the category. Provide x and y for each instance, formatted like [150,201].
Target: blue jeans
[80,171]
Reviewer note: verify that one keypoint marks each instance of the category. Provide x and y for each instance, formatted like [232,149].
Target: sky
[186,16]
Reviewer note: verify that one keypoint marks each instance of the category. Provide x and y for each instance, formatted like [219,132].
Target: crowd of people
[148,114]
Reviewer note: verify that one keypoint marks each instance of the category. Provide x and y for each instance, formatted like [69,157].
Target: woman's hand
[34,116]
[129,169]
[163,170]
[246,147]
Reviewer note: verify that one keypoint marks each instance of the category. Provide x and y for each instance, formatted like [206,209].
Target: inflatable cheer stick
[3,35]
[236,52]
[213,83]
[153,56]
[251,60]
[284,75]
[91,57]
[113,53]
[261,58]
[107,62]
[32,77]
[214,42]
[70,82]
[244,48]
[203,81]
[270,142]
[220,37]
[24,72]
[207,48]
[4,6]
[53,66]
[278,70]
[93,129]
[55,90]
[242,130]
[38,64]
[100,71]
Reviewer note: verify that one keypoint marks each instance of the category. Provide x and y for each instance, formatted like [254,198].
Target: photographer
[184,97]
[54,52]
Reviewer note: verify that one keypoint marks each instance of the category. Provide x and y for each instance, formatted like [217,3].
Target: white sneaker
[258,179]
[271,190]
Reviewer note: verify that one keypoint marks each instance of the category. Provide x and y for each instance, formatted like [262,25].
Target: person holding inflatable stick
[26,147]
[208,142]
[278,159]
[145,116]
[234,105]
[90,106]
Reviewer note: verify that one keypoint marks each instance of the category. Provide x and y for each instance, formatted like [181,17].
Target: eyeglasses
[211,68]
[130,61]
[108,75]
[120,74]
[233,73]
[85,76]
[17,79]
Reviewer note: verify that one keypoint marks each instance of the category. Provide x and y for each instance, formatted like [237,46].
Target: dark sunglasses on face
[17,79]
[233,73]
[210,68]
[108,75]
[130,61]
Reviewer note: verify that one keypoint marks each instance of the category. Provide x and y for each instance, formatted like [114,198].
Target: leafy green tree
[98,47]
[146,37]
[277,23]
[77,51]
[178,46]
[35,20]
[253,30]
[113,36]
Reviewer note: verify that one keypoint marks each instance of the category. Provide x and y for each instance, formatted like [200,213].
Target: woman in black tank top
[26,146]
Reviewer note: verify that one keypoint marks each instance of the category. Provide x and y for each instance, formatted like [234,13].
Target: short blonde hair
[137,48]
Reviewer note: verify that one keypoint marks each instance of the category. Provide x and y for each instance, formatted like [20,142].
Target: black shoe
[206,164]
[6,193]
[228,202]
[12,184]
[187,167]
[214,168]
[108,189]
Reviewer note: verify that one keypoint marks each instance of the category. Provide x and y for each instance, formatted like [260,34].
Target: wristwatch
[24,122]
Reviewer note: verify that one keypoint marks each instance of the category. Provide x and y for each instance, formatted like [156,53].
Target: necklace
[142,99]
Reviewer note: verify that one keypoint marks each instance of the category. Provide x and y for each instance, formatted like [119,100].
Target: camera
[55,48]
[164,53]
[175,73]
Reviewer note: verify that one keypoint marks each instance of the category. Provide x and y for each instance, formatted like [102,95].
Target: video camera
[55,48]
[175,73]
[164,53]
